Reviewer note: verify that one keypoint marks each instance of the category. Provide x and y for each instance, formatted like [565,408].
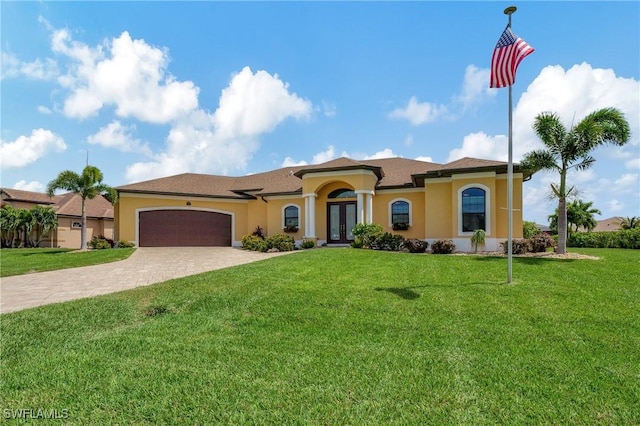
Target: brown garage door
[184,228]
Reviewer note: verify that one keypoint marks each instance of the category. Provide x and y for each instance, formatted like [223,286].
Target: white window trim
[391,210]
[283,212]
[487,208]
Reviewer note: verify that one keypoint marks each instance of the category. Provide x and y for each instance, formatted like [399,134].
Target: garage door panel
[184,228]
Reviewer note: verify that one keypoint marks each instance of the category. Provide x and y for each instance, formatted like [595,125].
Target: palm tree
[88,185]
[44,220]
[8,225]
[567,149]
[629,222]
[584,215]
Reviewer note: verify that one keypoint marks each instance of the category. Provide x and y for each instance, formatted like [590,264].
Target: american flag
[507,55]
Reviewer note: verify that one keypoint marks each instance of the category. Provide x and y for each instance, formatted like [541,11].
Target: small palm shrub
[415,245]
[281,242]
[443,247]
[477,238]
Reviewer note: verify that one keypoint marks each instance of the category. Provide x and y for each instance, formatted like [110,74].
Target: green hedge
[628,239]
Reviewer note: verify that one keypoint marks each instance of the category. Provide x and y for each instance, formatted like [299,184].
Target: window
[400,213]
[76,225]
[291,217]
[473,209]
[343,193]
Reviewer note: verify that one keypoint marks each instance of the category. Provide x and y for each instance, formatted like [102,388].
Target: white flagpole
[509,11]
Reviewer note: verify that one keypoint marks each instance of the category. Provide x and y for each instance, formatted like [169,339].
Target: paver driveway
[147,265]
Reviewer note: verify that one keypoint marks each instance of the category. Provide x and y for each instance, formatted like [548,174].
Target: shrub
[387,241]
[308,244]
[628,239]
[518,246]
[443,247]
[125,244]
[364,232]
[254,243]
[540,243]
[258,232]
[101,242]
[281,242]
[415,245]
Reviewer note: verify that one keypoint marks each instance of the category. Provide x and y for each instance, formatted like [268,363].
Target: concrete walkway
[147,265]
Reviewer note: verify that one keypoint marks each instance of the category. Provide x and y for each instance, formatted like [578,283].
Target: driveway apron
[147,265]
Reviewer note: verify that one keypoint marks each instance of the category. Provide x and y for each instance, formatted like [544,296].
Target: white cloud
[633,164]
[419,113]
[385,153]
[425,158]
[223,142]
[628,182]
[290,162]
[475,87]
[33,186]
[329,109]
[44,110]
[481,145]
[615,205]
[256,103]
[29,149]
[129,74]
[37,69]
[408,141]
[324,156]
[117,136]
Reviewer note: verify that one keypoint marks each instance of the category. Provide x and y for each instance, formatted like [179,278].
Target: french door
[341,219]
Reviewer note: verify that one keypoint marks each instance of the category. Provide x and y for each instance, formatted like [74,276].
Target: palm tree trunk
[83,231]
[562,225]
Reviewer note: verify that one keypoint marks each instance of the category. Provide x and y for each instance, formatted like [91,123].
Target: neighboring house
[324,202]
[68,207]
[610,224]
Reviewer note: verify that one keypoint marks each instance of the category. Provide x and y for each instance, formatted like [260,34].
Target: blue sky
[152,89]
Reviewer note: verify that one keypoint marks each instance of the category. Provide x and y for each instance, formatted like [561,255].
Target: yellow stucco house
[323,202]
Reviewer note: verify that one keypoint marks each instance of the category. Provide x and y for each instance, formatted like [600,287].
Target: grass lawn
[342,336]
[23,261]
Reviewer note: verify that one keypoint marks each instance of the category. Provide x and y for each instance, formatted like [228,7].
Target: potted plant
[400,226]
[290,229]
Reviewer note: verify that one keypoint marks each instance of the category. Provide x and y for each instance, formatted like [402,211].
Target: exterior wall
[502,219]
[354,179]
[275,215]
[128,205]
[416,199]
[438,209]
[67,236]
[257,215]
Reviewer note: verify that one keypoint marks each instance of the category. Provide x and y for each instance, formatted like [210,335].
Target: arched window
[473,209]
[400,213]
[343,193]
[291,216]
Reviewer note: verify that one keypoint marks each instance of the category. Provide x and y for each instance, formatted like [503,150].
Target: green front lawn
[24,261]
[343,336]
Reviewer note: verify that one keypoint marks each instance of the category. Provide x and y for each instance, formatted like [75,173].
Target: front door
[341,219]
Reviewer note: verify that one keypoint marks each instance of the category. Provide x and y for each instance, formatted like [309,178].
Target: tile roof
[28,196]
[68,204]
[392,173]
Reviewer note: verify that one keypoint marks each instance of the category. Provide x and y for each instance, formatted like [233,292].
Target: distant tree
[8,225]
[88,185]
[530,229]
[567,149]
[629,222]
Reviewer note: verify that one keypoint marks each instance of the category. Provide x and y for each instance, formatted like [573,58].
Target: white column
[310,215]
[369,208]
[360,207]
